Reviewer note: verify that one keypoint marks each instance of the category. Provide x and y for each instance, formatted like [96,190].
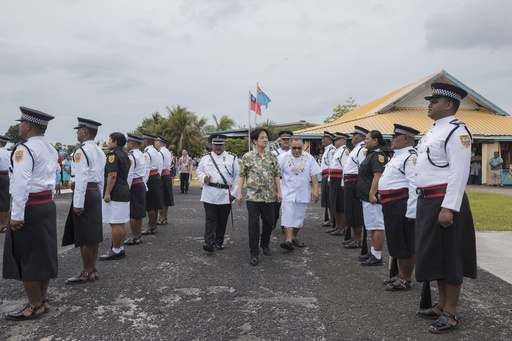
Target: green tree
[183,127]
[341,110]
[150,125]
[13,133]
[237,146]
[224,123]
[270,126]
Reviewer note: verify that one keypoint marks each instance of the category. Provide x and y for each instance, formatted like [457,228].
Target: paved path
[169,289]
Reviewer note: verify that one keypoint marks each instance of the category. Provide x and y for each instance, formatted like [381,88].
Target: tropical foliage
[341,110]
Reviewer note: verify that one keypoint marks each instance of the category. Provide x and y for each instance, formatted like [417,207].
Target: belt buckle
[420,191]
[379,197]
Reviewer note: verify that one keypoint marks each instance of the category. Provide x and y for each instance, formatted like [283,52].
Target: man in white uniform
[218,172]
[154,196]
[336,188]
[165,174]
[325,166]
[298,169]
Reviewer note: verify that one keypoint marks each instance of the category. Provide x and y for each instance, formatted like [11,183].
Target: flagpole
[256,112]
[249,119]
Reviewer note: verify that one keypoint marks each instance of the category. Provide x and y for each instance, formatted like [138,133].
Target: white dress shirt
[137,166]
[88,166]
[153,161]
[355,158]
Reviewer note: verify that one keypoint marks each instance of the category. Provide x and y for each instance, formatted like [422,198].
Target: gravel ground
[169,289]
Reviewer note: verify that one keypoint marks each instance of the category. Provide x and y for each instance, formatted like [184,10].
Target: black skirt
[30,254]
[399,230]
[87,228]
[353,206]
[167,189]
[154,195]
[138,201]
[5,199]
[336,196]
[447,254]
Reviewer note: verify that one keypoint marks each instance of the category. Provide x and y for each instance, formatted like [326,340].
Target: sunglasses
[297,148]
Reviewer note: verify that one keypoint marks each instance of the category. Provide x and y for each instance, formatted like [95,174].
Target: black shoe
[111,255]
[254,261]
[208,247]
[17,315]
[219,246]
[78,280]
[182,192]
[266,251]
[372,261]
[326,224]
[363,258]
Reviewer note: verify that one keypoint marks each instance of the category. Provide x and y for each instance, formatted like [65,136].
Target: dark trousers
[216,220]
[184,181]
[277,208]
[266,211]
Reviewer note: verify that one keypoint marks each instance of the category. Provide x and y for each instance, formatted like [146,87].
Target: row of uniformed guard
[416,201]
[114,189]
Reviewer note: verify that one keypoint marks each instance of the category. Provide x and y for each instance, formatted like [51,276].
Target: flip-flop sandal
[297,243]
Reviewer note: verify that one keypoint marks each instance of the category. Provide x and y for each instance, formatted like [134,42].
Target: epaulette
[28,149]
[413,151]
[232,154]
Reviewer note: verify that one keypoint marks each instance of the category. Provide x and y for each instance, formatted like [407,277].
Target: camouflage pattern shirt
[259,172]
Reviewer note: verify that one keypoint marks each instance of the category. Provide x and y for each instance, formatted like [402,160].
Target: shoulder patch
[78,157]
[111,158]
[145,158]
[347,152]
[465,140]
[381,158]
[364,153]
[414,160]
[131,162]
[18,156]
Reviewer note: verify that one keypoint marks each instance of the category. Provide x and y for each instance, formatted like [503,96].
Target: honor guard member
[445,235]
[137,188]
[30,250]
[116,195]
[299,169]
[84,224]
[154,196]
[325,165]
[165,173]
[397,194]
[337,193]
[285,137]
[370,171]
[218,172]
[353,206]
[5,199]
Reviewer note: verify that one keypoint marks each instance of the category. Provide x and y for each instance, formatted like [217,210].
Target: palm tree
[225,123]
[182,127]
[270,126]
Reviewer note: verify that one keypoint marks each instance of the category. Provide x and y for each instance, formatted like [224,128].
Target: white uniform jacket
[356,156]
[153,161]
[340,158]
[5,155]
[137,166]
[325,164]
[442,161]
[228,166]
[88,166]
[297,173]
[166,157]
[400,172]
[33,171]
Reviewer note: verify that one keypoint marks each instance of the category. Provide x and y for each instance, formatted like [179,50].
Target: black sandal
[355,244]
[17,315]
[287,245]
[429,313]
[338,232]
[133,241]
[3,229]
[159,222]
[397,285]
[442,326]
[148,231]
[46,300]
[77,280]
[164,222]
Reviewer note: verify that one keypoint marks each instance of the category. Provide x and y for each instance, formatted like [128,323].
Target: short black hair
[38,128]
[119,138]
[256,133]
[456,104]
[93,132]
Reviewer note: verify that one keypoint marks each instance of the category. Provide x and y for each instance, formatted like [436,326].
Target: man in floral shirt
[261,169]
[185,168]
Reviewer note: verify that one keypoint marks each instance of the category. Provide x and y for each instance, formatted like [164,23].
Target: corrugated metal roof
[402,107]
[481,123]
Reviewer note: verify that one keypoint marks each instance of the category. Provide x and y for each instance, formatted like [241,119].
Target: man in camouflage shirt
[261,169]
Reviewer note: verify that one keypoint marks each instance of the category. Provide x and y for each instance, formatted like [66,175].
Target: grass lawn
[491,211]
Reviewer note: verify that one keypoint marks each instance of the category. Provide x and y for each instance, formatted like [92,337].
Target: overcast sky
[120,61]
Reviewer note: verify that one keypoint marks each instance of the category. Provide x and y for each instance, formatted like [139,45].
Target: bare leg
[163,213]
[136,227]
[152,215]
[289,233]
[118,234]
[4,217]
[448,298]
[358,233]
[378,239]
[406,266]
[35,291]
